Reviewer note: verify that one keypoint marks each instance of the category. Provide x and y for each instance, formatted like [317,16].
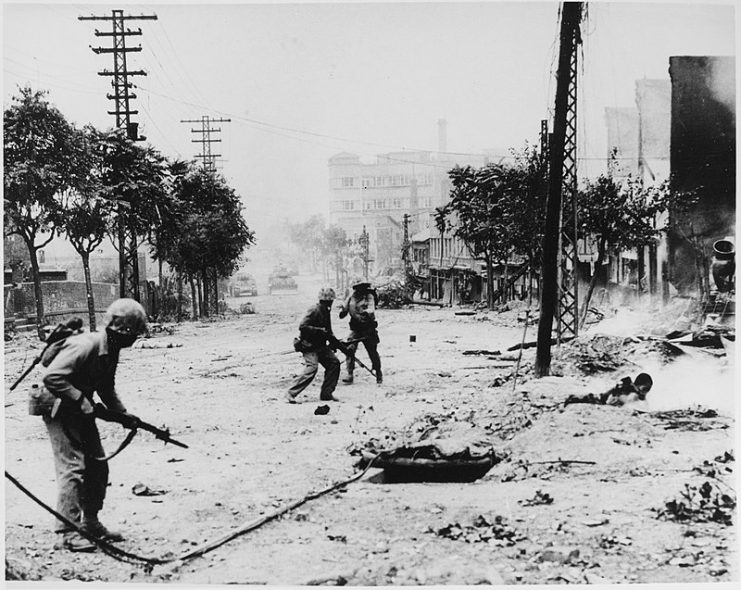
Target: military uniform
[80,366]
[315,328]
[361,306]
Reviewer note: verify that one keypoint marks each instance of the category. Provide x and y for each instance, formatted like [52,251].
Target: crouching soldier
[315,331]
[361,305]
[76,368]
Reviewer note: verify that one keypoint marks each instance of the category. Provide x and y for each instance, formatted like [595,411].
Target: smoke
[689,382]
[722,82]
[693,379]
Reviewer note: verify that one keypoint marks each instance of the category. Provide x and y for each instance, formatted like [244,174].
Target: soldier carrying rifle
[361,305]
[75,369]
[316,341]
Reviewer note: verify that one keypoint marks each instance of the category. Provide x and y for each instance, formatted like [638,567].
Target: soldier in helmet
[76,368]
[361,306]
[315,331]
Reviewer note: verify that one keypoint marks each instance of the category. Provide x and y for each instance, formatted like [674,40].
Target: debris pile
[695,419]
[592,354]
[704,503]
[540,498]
[497,533]
[394,295]
[247,308]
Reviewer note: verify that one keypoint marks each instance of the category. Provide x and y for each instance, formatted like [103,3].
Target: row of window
[352,205]
[447,248]
[381,181]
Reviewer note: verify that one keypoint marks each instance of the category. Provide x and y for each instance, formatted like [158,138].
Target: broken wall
[703,158]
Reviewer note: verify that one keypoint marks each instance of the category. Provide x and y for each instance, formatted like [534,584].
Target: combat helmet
[126,316]
[326,294]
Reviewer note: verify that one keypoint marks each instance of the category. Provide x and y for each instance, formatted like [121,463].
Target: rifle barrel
[26,372]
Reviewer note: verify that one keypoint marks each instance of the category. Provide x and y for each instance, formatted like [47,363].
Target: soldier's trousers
[81,480]
[325,357]
[371,346]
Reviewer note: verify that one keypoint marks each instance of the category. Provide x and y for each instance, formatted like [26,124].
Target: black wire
[140,560]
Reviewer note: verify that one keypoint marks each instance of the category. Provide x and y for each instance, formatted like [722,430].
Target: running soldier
[315,332]
[361,305]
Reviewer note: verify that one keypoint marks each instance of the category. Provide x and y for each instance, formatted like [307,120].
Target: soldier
[76,368]
[315,331]
[361,305]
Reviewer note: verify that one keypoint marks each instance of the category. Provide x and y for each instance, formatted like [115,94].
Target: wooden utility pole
[364,242]
[406,246]
[207,157]
[555,218]
[127,239]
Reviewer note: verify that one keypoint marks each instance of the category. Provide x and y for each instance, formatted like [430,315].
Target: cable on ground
[149,562]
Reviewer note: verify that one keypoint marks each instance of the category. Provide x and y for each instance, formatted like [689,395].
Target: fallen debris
[321,410]
[704,503]
[141,489]
[497,533]
[538,499]
[694,419]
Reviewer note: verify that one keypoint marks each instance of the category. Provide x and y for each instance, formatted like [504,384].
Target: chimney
[442,136]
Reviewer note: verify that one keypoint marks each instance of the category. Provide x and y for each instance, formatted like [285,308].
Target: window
[347,181]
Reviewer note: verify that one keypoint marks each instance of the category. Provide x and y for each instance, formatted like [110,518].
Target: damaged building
[703,159]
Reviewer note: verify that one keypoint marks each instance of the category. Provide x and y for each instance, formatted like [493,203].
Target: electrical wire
[129,557]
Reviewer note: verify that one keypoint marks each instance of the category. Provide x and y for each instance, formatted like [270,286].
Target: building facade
[377,195]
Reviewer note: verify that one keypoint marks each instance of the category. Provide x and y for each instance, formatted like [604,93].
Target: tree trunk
[38,295]
[193,299]
[206,283]
[89,289]
[490,283]
[506,286]
[179,304]
[641,271]
[593,281]
[201,301]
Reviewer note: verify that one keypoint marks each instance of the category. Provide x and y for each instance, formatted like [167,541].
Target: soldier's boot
[348,380]
[75,542]
[379,376]
[94,527]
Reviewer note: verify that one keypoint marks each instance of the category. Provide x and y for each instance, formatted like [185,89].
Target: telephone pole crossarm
[121,97]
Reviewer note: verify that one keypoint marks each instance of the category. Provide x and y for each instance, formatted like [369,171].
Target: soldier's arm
[345,308]
[107,393]
[71,358]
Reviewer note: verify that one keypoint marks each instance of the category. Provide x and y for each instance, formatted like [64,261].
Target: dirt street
[575,500]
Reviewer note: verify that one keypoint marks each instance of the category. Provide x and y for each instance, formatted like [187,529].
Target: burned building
[703,159]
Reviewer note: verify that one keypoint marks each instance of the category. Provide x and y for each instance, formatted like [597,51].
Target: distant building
[376,195]
[638,145]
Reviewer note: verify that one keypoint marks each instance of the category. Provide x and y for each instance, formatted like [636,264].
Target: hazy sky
[302,82]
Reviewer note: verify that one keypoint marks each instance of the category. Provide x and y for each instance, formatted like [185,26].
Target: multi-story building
[377,195]
[638,143]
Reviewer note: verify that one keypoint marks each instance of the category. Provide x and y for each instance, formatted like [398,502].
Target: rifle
[342,347]
[133,424]
[61,332]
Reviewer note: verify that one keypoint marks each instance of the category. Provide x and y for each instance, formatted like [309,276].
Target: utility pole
[559,292]
[128,261]
[208,161]
[207,157]
[364,242]
[406,245]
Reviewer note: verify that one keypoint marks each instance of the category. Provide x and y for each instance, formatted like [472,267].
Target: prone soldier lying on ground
[625,391]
